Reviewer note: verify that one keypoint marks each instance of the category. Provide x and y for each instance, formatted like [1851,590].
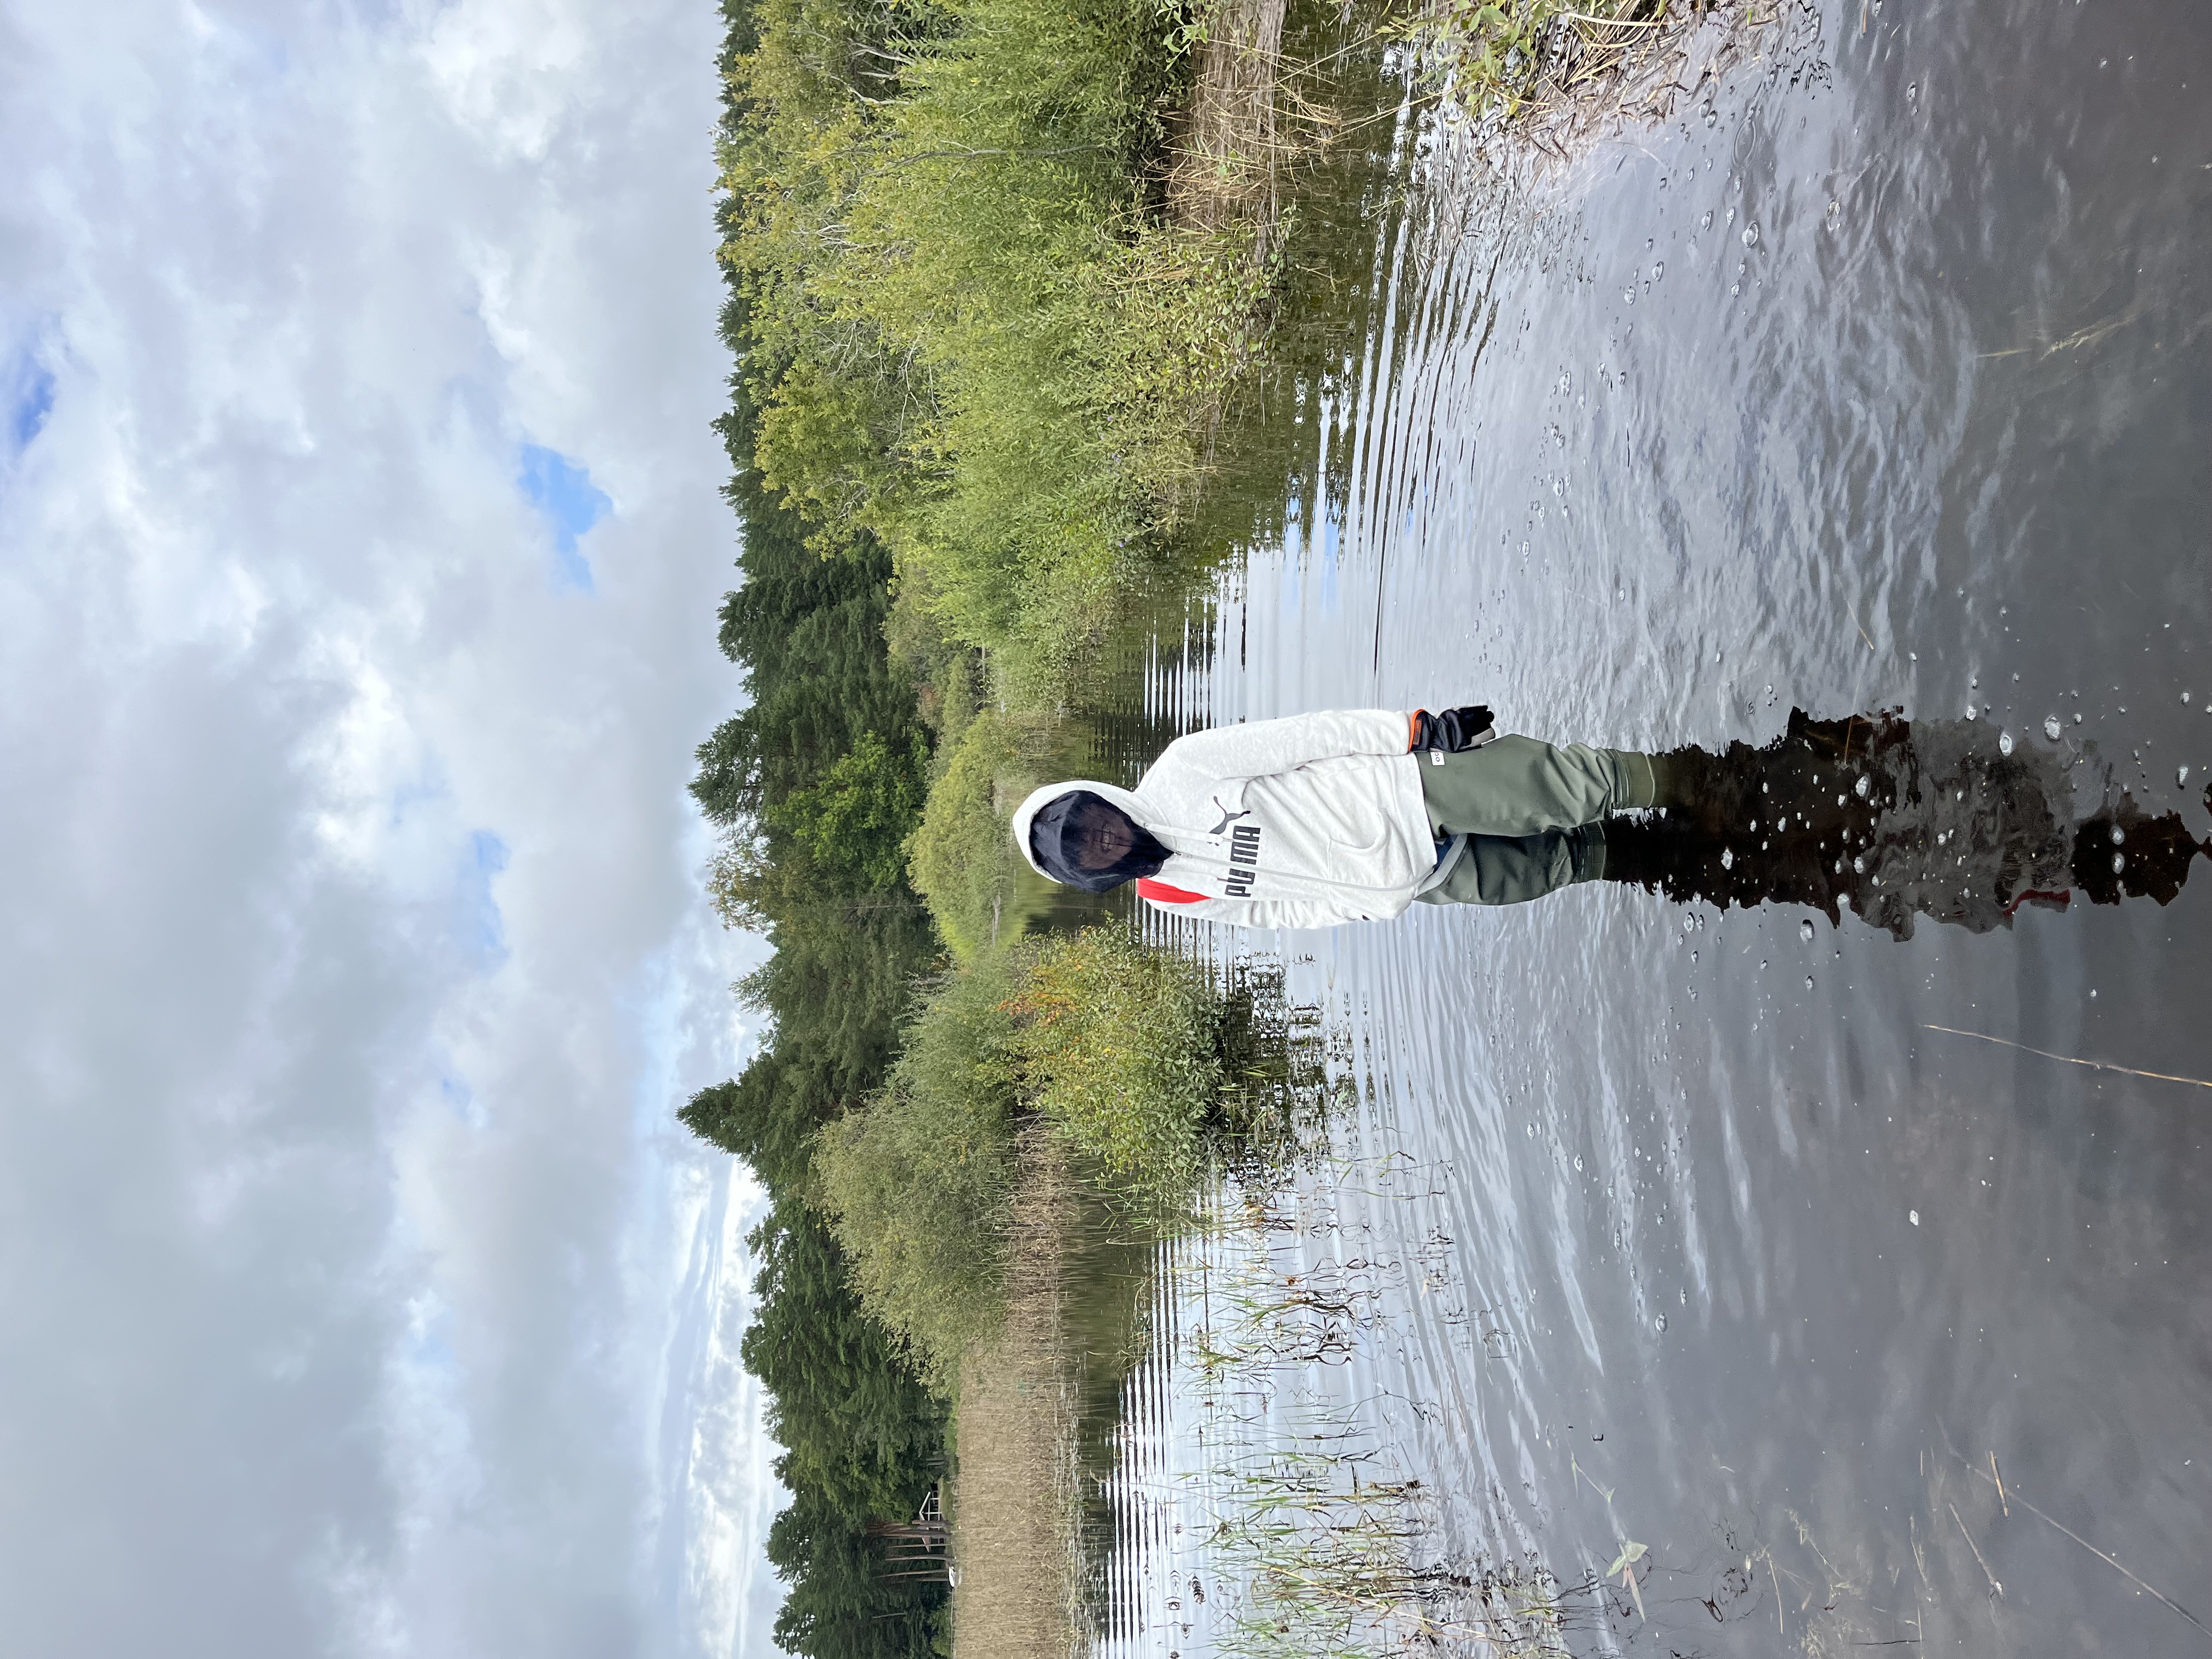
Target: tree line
[816,783]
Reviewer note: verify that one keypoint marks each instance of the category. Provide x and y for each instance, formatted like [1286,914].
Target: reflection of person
[1351,816]
[1897,820]
[1346,816]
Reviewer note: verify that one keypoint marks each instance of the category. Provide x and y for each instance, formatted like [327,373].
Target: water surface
[1880,377]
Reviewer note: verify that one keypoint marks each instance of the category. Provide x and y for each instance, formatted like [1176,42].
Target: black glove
[1456,730]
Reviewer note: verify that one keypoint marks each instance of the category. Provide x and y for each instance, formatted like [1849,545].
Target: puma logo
[1227,818]
[1244,850]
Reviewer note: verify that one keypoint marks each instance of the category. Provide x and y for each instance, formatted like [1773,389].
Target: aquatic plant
[1320,1547]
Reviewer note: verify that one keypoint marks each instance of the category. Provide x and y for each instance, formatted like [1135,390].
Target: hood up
[1038,800]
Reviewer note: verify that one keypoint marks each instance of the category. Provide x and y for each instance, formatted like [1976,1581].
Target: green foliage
[856,1426]
[854,823]
[839,1605]
[970,336]
[961,857]
[919,1183]
[1502,53]
[1121,1049]
[817,783]
[974,364]
[1118,1048]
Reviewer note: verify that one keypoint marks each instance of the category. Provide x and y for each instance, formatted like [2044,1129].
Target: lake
[1878,376]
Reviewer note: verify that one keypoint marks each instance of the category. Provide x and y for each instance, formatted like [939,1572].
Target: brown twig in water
[1856,623]
[2099,1553]
[2094,1065]
[1995,1588]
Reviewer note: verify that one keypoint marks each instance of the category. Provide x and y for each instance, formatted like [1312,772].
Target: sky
[360,545]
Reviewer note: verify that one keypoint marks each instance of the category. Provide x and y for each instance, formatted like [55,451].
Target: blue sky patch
[484,928]
[563,492]
[30,400]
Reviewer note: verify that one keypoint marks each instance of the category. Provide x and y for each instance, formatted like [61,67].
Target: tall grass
[1014,1494]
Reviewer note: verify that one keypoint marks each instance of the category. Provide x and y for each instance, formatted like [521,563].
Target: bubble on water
[2052,728]
[1578,1160]
[1658,270]
[1731,217]
[1728,857]
[2077,717]
[2004,743]
[1972,712]
[2119,862]
[2184,696]
[1683,1297]
[1858,865]
[1734,288]
[1751,234]
[1863,788]
[1805,932]
[1531,1131]
[1661,1322]
[2181,776]
[1628,297]
[1913,1215]
[2119,837]
[1706,224]
[1808,981]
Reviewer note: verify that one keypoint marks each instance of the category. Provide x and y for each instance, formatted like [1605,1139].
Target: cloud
[360,1295]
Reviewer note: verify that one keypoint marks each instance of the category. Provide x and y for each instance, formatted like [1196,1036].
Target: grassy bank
[1015,1499]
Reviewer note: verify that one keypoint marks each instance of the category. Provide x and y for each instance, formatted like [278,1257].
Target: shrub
[1120,1049]
[1131,1058]
[961,858]
[917,1183]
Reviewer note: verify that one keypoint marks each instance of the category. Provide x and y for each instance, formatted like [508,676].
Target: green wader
[1531,812]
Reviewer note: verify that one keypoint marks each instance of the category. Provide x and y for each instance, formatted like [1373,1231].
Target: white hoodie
[1304,822]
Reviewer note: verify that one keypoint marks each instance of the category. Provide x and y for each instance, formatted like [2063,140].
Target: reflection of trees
[1900,819]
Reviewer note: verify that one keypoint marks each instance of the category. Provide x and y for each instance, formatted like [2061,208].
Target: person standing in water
[1350,815]
[1353,816]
